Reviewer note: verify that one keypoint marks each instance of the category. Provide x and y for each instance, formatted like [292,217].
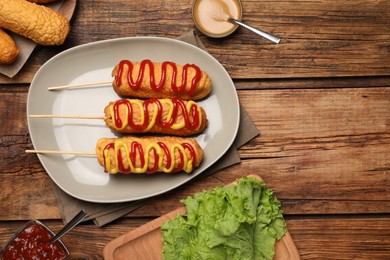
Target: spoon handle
[257,31]
[77,219]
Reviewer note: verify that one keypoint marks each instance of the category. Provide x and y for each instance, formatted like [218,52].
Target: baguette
[132,154]
[8,49]
[147,79]
[36,22]
[162,116]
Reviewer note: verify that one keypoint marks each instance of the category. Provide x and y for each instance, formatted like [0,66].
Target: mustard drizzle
[113,168]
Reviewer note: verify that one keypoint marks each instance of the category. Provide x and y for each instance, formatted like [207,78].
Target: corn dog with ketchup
[170,116]
[147,79]
[132,154]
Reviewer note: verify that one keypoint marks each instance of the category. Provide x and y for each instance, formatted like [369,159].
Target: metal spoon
[71,224]
[219,11]
[257,31]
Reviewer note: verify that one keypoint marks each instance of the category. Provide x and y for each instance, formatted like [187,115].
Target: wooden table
[320,98]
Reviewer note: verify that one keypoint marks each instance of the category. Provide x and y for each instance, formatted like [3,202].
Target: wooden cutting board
[145,242]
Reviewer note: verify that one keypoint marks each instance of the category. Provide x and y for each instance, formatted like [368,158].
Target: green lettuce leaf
[241,221]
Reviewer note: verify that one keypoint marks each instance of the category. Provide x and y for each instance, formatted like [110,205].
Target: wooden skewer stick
[67,116]
[60,152]
[79,85]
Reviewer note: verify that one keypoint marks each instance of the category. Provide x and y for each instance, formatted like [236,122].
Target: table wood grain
[320,99]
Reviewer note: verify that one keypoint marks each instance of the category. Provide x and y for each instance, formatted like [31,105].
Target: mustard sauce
[211,15]
[120,156]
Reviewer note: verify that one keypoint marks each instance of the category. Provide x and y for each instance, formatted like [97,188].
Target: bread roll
[36,22]
[8,49]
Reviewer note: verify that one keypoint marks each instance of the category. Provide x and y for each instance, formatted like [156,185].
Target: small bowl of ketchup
[32,241]
[210,16]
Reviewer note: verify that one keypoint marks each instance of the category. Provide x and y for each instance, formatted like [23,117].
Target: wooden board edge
[285,244]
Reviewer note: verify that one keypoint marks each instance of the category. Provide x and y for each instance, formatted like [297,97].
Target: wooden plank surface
[333,142]
[362,237]
[319,39]
[321,100]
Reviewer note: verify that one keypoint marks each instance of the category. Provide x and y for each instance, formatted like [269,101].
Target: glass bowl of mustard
[32,241]
[211,16]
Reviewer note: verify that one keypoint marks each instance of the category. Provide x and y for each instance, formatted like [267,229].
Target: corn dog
[8,49]
[148,154]
[163,116]
[36,22]
[147,79]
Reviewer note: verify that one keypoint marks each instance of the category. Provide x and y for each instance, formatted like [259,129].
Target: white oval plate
[81,176]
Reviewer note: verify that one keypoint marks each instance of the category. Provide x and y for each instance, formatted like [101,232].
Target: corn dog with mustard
[171,116]
[36,22]
[8,49]
[132,154]
[147,79]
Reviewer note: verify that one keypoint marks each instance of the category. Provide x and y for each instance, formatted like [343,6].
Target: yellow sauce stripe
[181,124]
[141,109]
[152,120]
[170,103]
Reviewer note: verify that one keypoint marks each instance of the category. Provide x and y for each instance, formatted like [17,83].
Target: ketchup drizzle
[180,166]
[194,112]
[155,166]
[175,88]
[167,154]
[191,150]
[135,146]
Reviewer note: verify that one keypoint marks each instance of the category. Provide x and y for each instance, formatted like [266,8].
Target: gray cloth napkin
[103,213]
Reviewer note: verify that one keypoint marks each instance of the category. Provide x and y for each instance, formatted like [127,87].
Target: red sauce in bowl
[33,242]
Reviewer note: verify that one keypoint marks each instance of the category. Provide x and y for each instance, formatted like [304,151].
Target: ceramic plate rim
[34,87]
